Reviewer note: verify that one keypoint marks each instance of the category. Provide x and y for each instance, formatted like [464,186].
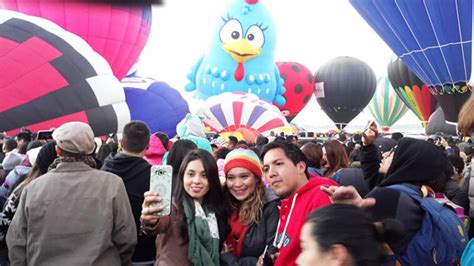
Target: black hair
[9,144]
[261,140]
[25,136]
[178,151]
[34,144]
[290,138]
[397,136]
[363,239]
[212,199]
[457,162]
[22,148]
[222,153]
[105,150]
[164,139]
[136,136]
[233,140]
[291,151]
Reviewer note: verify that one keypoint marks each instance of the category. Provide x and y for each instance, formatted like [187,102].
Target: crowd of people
[364,199]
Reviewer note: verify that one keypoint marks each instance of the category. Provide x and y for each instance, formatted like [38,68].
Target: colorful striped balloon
[386,107]
[242,114]
[414,93]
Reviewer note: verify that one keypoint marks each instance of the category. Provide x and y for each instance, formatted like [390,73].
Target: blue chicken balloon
[241,56]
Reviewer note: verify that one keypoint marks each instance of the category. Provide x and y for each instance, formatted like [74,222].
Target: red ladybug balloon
[299,85]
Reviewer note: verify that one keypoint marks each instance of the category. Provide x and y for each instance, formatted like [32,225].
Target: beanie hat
[243,158]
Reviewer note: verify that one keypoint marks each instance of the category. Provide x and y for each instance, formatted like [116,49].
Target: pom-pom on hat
[243,158]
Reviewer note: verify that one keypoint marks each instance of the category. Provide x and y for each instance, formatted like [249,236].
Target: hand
[370,134]
[347,195]
[227,248]
[272,257]
[149,213]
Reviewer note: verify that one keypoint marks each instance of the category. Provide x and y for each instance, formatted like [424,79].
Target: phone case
[161,183]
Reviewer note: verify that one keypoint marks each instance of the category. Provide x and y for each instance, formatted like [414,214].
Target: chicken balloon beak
[241,50]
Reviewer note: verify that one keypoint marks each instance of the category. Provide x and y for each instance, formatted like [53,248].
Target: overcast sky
[310,32]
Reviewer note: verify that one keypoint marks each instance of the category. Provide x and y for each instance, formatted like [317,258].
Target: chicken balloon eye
[231,31]
[235,35]
[255,36]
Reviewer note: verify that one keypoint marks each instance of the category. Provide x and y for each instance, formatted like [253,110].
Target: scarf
[235,239]
[87,159]
[203,233]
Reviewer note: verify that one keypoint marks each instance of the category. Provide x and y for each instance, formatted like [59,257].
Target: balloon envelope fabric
[299,85]
[386,107]
[51,76]
[241,56]
[413,92]
[241,114]
[344,87]
[433,38]
[155,103]
[437,124]
[117,32]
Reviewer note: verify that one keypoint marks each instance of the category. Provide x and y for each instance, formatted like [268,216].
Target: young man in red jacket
[284,165]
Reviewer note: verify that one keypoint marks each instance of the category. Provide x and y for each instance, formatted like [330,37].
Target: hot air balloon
[437,125]
[386,107]
[243,115]
[344,86]
[241,56]
[156,103]
[117,32]
[51,76]
[299,85]
[433,38]
[413,92]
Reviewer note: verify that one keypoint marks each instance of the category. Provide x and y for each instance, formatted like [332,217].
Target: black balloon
[347,84]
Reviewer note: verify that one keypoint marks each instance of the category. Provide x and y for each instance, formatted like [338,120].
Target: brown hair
[337,157]
[314,154]
[251,210]
[466,117]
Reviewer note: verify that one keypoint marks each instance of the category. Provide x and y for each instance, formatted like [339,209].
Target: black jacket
[415,163]
[457,195]
[370,164]
[352,177]
[135,173]
[258,235]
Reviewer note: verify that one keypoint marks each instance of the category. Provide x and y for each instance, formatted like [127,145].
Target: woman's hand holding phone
[149,213]
[370,133]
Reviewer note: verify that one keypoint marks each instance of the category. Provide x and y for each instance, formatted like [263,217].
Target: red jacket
[305,200]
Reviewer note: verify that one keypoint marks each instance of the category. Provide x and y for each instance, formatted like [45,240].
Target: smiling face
[195,180]
[284,176]
[241,183]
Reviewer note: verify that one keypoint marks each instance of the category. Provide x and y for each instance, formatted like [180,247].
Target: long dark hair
[337,157]
[363,239]
[176,155]
[212,199]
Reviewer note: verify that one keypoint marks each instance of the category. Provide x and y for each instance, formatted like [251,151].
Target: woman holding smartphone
[254,210]
[193,233]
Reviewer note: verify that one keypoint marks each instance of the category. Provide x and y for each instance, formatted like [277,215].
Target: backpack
[441,198]
[441,238]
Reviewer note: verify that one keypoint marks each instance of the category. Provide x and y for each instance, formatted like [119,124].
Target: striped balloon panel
[386,107]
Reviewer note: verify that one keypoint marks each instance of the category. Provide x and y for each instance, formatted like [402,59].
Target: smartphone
[161,177]
[45,134]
